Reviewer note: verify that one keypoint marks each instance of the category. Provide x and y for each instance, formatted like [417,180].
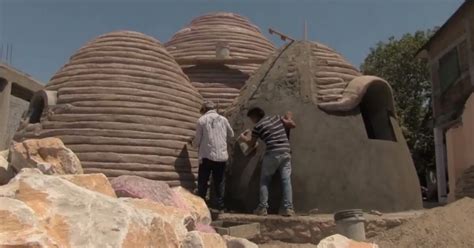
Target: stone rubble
[49,155]
[63,214]
[197,205]
[160,192]
[339,241]
[233,242]
[82,210]
[95,182]
[139,187]
[6,171]
[181,220]
[196,239]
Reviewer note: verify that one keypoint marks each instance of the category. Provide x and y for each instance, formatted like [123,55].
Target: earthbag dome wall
[348,150]
[124,106]
[219,51]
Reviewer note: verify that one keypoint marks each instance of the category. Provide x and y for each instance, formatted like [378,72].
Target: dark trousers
[217,169]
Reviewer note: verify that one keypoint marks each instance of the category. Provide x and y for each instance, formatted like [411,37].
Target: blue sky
[44,33]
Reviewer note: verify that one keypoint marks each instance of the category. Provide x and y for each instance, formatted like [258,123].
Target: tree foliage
[395,61]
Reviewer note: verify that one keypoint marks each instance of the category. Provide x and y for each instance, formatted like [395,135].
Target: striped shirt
[270,129]
[212,131]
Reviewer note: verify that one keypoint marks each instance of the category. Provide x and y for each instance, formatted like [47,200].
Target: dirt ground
[449,226]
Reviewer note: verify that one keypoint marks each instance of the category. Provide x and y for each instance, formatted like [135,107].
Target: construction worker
[212,132]
[274,131]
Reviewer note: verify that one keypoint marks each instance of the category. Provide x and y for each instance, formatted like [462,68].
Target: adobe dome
[348,150]
[124,107]
[219,79]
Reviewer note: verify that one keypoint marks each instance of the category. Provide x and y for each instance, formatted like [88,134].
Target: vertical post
[305,31]
[11,54]
[440,150]
[469,27]
[5,91]
[8,53]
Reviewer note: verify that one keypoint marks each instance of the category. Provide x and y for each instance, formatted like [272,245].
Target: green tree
[395,61]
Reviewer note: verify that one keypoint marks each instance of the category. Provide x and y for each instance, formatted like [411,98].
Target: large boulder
[157,191]
[48,155]
[97,182]
[20,226]
[49,211]
[198,206]
[181,220]
[339,241]
[196,239]
[142,188]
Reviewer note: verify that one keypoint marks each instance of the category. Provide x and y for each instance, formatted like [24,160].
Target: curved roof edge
[355,92]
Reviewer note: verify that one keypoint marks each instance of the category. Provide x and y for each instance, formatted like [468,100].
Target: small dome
[199,41]
[125,107]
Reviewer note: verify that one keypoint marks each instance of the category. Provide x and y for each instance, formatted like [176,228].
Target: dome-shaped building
[348,150]
[124,106]
[218,52]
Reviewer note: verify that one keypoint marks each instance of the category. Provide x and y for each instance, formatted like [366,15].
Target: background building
[450,53]
[16,90]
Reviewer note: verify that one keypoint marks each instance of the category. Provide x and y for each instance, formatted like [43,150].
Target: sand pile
[449,226]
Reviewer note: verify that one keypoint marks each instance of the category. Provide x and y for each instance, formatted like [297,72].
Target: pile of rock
[49,155]
[339,241]
[86,210]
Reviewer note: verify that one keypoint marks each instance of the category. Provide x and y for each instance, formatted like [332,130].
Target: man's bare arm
[248,138]
[288,120]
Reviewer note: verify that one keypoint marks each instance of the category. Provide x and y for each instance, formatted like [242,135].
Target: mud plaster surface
[335,165]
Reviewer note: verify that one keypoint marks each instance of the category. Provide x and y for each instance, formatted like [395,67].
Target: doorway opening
[376,112]
[35,111]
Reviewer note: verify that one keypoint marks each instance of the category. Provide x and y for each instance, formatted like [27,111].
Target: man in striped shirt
[274,131]
[212,132]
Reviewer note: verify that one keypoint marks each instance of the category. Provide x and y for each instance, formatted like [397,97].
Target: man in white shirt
[212,132]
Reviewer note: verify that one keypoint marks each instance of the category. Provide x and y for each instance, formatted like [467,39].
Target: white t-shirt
[212,132]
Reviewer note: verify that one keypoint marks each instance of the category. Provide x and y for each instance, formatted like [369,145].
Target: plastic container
[350,223]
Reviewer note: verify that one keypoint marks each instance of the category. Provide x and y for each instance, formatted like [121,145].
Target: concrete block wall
[17,107]
[16,90]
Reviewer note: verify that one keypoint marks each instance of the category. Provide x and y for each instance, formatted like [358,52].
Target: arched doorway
[376,112]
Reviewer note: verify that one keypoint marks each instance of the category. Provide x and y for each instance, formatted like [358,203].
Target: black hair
[256,113]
